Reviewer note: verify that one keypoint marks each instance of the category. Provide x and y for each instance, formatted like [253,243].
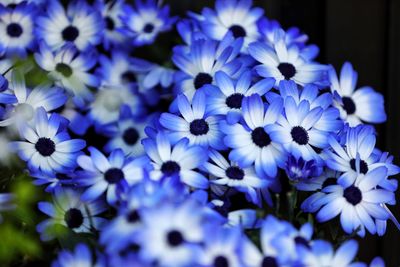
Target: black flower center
[14,30]
[128,77]
[235,173]
[348,105]
[64,69]
[237,31]
[269,262]
[287,70]
[202,79]
[70,33]
[363,166]
[148,28]
[221,261]
[170,168]
[133,216]
[110,25]
[329,181]
[45,146]
[353,195]
[260,137]
[234,101]
[299,135]
[174,238]
[73,218]
[114,175]
[302,241]
[199,127]
[130,136]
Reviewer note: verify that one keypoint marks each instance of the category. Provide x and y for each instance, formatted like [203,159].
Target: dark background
[366,33]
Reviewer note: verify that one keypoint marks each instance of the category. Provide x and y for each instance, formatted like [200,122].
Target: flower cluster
[201,160]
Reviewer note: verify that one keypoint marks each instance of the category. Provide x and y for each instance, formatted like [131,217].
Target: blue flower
[321,254]
[195,124]
[359,203]
[356,105]
[80,25]
[24,101]
[225,98]
[16,29]
[69,69]
[230,174]
[48,147]
[69,211]
[250,142]
[80,257]
[144,22]
[204,59]
[236,16]
[177,161]
[103,175]
[53,182]
[298,170]
[284,62]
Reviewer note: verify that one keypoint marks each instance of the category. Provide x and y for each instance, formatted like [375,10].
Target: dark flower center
[301,241]
[221,261]
[170,168]
[64,69]
[353,195]
[237,31]
[45,146]
[174,238]
[114,175]
[133,216]
[287,70]
[14,30]
[148,28]
[70,33]
[130,136]
[234,173]
[128,77]
[260,137]
[234,101]
[110,25]
[348,105]
[269,262]
[202,79]
[73,218]
[299,135]
[329,181]
[363,166]
[199,127]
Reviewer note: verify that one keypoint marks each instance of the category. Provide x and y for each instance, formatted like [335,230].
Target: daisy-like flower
[24,101]
[301,128]
[69,69]
[205,58]
[359,204]
[81,257]
[16,29]
[195,123]
[144,22]
[225,98]
[230,174]
[356,105]
[321,253]
[111,12]
[177,161]
[107,175]
[299,170]
[284,62]
[80,25]
[68,210]
[48,147]
[250,142]
[236,16]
